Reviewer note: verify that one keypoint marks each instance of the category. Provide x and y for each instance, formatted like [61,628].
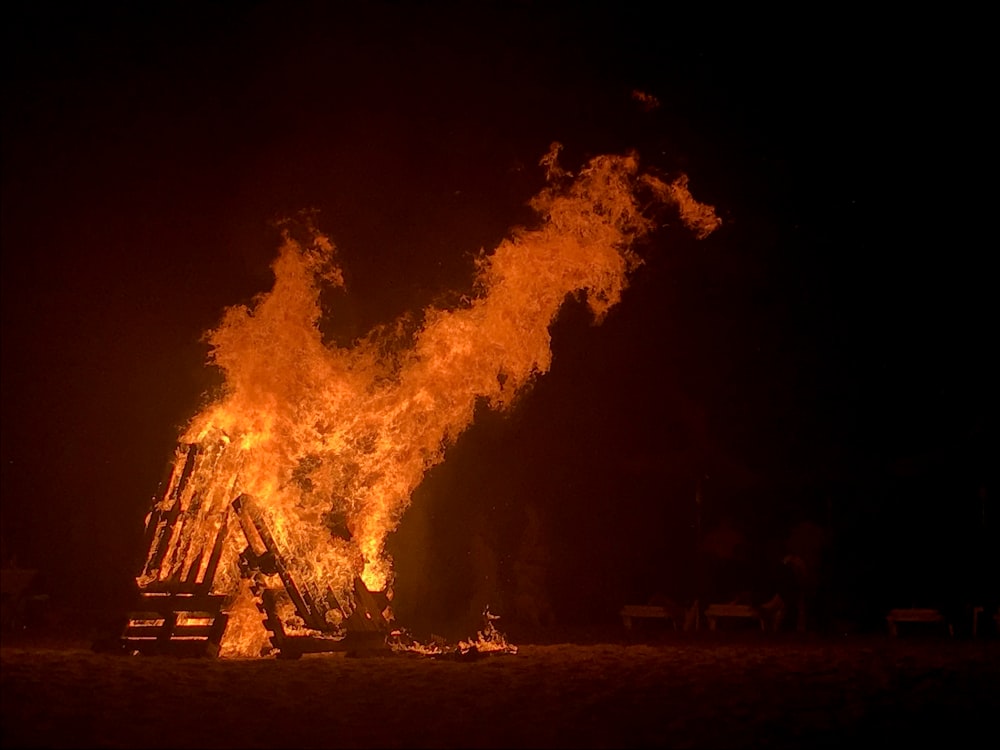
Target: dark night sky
[825,354]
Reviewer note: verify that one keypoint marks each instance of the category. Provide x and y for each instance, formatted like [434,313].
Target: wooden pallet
[362,627]
[176,611]
[178,623]
[631,612]
[186,531]
[291,646]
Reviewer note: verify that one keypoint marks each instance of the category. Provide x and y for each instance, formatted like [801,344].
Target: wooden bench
[733,611]
[649,611]
[931,616]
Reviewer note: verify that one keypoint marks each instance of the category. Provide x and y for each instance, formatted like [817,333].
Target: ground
[608,689]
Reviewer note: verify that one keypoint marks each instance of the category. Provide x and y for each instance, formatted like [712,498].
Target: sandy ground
[684,690]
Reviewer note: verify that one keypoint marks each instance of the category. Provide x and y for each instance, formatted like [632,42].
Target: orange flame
[333,441]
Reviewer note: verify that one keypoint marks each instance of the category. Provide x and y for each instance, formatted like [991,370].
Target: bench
[733,611]
[931,616]
[649,611]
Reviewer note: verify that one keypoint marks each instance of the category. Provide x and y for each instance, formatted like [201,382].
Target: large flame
[332,441]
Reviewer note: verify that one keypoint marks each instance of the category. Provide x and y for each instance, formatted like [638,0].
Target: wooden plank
[217,630]
[930,616]
[310,604]
[643,610]
[294,646]
[163,588]
[133,631]
[367,616]
[208,578]
[649,611]
[915,615]
[331,602]
[178,649]
[733,611]
[193,450]
[180,546]
[310,644]
[197,606]
[312,619]
[379,598]
[272,623]
[167,629]
[192,576]
[149,534]
[161,540]
[242,507]
[301,606]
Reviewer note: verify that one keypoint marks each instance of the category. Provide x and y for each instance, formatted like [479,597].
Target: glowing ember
[321,447]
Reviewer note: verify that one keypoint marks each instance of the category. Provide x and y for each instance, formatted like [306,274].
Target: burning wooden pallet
[362,626]
[176,623]
[179,614]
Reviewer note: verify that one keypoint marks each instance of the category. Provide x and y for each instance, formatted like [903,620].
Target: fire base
[182,616]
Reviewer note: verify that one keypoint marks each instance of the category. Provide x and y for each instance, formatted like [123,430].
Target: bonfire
[269,535]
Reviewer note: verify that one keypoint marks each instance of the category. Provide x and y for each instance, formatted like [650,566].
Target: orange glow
[331,442]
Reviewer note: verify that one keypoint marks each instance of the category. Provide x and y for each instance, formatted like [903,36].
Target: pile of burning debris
[181,611]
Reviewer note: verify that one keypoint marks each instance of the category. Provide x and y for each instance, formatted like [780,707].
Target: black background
[826,354]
